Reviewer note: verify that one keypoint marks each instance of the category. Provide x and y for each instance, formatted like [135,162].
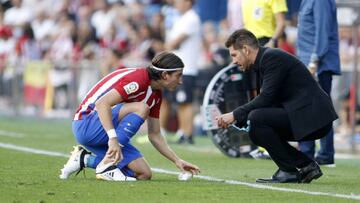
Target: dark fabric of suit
[286,83]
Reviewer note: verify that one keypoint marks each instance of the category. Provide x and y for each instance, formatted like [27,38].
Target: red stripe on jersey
[95,89]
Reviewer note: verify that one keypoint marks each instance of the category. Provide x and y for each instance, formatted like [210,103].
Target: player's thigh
[139,108]
[140,167]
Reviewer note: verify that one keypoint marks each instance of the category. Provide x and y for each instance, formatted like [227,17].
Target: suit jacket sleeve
[274,72]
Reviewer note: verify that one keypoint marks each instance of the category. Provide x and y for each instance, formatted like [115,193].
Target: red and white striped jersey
[132,84]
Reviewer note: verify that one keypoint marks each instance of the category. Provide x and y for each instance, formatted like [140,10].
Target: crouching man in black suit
[290,107]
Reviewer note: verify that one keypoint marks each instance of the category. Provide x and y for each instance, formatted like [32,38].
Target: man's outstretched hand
[225,120]
[185,166]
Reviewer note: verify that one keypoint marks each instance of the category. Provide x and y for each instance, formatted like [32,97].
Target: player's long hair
[164,60]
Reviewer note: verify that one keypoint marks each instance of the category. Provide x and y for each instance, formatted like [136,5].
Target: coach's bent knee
[255,118]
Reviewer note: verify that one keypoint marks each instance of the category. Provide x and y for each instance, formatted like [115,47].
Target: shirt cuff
[240,114]
[314,58]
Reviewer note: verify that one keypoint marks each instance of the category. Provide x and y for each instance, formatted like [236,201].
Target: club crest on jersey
[131,87]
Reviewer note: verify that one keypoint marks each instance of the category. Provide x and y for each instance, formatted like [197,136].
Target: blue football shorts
[90,133]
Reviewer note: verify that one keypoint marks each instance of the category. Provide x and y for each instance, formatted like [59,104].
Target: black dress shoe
[310,172]
[281,177]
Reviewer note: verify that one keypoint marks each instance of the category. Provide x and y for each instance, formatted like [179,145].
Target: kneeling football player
[111,114]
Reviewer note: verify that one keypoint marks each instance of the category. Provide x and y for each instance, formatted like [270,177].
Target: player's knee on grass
[144,175]
[141,169]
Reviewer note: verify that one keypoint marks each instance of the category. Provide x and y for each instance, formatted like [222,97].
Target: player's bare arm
[175,44]
[103,107]
[159,142]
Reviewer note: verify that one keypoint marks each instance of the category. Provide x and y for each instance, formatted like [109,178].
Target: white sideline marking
[209,178]
[11,134]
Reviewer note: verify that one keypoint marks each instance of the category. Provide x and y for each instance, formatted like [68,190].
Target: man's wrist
[113,136]
[111,133]
[313,65]
[177,161]
[314,58]
[274,41]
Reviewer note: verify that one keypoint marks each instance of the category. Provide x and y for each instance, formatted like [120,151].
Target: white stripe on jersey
[134,96]
[148,94]
[100,91]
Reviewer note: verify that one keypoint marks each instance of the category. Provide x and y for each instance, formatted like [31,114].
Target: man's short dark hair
[164,60]
[242,37]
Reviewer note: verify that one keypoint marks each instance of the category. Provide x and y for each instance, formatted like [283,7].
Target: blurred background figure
[285,45]
[213,11]
[266,19]
[318,47]
[234,15]
[185,40]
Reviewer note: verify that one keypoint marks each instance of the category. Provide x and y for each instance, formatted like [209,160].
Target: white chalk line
[207,149]
[11,134]
[209,178]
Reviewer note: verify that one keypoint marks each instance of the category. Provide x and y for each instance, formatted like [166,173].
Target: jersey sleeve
[279,6]
[130,85]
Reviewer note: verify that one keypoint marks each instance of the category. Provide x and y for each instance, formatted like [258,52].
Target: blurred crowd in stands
[53,51]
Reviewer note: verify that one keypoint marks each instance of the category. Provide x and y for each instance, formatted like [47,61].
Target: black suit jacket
[286,82]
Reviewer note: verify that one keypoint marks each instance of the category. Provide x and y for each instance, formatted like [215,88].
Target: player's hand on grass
[186,166]
[114,152]
[225,120]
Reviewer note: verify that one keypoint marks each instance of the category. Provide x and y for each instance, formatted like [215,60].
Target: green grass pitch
[29,177]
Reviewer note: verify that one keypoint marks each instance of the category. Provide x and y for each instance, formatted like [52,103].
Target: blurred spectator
[234,15]
[5,4]
[103,17]
[84,35]
[30,48]
[17,15]
[318,47]
[185,40]
[293,10]
[89,71]
[114,57]
[62,46]
[157,25]
[170,14]
[42,25]
[157,46]
[266,19]
[209,43]
[213,11]
[285,45]
[7,51]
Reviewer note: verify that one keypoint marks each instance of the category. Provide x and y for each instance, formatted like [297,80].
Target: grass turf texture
[27,177]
